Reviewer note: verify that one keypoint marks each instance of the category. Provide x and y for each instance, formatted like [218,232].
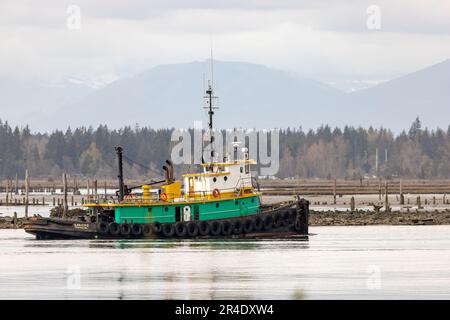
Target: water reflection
[224,244]
[413,262]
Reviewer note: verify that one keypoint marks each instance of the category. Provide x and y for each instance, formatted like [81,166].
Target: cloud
[320,39]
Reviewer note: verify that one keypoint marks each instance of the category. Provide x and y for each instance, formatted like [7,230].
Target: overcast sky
[326,40]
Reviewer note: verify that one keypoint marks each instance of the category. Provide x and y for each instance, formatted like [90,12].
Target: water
[357,262]
[8,211]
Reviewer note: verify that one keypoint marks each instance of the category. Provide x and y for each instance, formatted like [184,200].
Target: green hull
[210,210]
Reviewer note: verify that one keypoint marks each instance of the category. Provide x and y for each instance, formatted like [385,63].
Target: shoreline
[335,218]
[362,218]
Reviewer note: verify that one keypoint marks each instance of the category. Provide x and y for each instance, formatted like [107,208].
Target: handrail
[188,196]
[240,180]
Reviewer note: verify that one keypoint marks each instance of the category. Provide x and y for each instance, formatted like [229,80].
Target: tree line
[325,152]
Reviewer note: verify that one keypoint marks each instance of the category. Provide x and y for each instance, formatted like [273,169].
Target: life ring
[216,193]
[163,196]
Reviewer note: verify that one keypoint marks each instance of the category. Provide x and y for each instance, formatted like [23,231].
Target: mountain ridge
[251,96]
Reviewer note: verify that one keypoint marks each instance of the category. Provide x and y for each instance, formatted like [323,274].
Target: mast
[120,175]
[210,98]
[210,107]
[209,92]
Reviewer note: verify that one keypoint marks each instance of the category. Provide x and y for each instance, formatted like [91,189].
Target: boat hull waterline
[286,221]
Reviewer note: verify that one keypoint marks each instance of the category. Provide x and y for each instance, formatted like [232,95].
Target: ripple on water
[337,262]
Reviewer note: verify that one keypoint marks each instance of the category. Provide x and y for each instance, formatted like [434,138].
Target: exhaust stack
[120,169]
[170,171]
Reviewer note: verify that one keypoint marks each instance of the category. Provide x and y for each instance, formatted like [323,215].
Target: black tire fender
[168,230]
[136,230]
[267,222]
[216,228]
[277,220]
[192,229]
[204,228]
[227,228]
[147,230]
[238,227]
[125,229]
[114,228]
[180,229]
[103,227]
[157,227]
[285,218]
[258,224]
[248,225]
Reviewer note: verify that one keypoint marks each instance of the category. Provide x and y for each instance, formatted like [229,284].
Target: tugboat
[222,201]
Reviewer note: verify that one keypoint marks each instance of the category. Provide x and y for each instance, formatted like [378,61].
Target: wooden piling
[352,204]
[15,219]
[402,197]
[95,189]
[334,191]
[379,189]
[16,188]
[7,192]
[65,208]
[27,190]
[386,197]
[10,189]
